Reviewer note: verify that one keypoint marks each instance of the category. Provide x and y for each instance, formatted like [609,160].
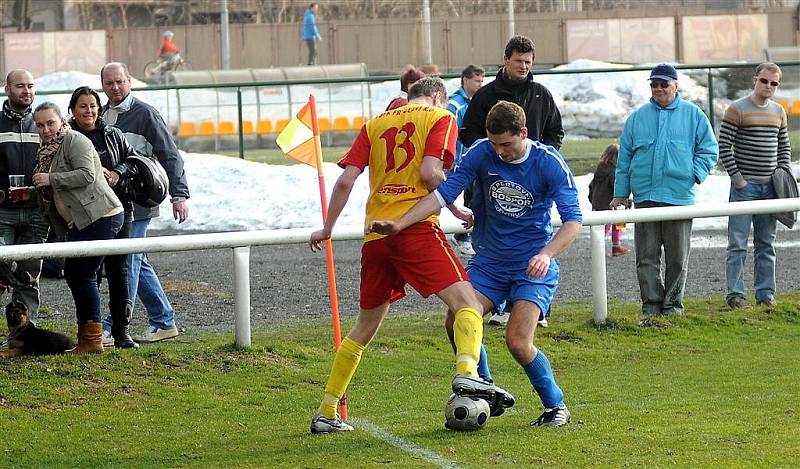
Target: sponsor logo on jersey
[396,189]
[510,198]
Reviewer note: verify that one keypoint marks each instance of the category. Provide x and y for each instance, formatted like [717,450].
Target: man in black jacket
[146,131]
[515,83]
[20,222]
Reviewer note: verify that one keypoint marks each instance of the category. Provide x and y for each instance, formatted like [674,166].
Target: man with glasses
[667,147]
[754,142]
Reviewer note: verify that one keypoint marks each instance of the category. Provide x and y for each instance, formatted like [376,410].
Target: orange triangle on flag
[304,115]
[306,152]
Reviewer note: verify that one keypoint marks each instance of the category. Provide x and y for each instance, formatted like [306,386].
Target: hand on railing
[619,202]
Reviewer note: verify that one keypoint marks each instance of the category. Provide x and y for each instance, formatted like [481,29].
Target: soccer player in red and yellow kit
[406,150]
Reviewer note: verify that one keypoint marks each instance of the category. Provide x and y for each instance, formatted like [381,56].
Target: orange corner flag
[297,139]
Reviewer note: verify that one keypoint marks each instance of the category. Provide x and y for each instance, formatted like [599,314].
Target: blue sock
[483,364]
[501,308]
[541,377]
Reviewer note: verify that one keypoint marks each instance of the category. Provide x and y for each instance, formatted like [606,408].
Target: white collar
[525,157]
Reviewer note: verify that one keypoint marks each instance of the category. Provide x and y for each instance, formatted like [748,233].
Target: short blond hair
[772,67]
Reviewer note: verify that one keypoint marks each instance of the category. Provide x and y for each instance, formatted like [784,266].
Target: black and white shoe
[556,417]
[473,386]
[320,424]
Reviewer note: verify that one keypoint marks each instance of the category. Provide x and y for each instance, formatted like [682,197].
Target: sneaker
[465,248]
[473,386]
[108,339]
[672,312]
[556,417]
[499,319]
[770,302]
[543,323]
[738,302]
[155,334]
[619,250]
[320,424]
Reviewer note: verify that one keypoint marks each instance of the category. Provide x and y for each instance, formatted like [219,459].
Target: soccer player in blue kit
[519,179]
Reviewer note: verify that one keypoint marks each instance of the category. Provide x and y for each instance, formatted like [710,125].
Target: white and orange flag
[298,140]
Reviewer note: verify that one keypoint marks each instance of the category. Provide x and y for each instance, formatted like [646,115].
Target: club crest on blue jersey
[510,198]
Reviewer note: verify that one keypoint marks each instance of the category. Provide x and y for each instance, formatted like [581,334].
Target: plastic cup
[16,180]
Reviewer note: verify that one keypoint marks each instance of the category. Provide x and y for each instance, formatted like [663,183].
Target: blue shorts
[503,280]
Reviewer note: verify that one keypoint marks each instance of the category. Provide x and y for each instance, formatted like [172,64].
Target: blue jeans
[674,237]
[764,228]
[25,226]
[81,272]
[143,280]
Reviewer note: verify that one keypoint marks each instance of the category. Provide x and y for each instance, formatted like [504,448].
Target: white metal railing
[241,241]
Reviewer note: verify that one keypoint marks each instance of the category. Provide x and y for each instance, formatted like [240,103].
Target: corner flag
[297,139]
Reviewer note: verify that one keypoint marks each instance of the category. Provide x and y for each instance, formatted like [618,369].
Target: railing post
[599,293]
[239,116]
[241,285]
[711,96]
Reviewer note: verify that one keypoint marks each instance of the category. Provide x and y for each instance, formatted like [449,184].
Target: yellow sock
[344,367]
[468,334]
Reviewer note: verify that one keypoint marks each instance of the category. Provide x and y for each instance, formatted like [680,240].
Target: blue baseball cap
[664,72]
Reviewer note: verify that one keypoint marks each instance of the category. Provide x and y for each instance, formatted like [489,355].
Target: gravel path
[288,283]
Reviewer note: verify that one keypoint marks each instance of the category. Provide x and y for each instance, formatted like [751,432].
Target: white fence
[241,241]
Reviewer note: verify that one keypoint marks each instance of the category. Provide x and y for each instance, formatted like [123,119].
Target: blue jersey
[513,200]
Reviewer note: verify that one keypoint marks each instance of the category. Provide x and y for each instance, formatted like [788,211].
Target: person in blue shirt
[471,81]
[310,33]
[666,149]
[518,180]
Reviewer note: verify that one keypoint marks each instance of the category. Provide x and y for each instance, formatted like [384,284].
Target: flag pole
[337,331]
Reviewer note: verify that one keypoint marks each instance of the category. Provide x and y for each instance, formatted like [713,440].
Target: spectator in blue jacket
[471,81]
[310,33]
[667,147]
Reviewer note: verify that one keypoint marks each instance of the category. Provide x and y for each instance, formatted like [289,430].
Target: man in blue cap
[667,147]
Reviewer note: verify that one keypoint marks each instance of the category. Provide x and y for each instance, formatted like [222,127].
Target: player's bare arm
[464,214]
[339,196]
[426,207]
[431,172]
[566,234]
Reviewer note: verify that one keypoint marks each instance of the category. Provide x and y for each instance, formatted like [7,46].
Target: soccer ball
[466,413]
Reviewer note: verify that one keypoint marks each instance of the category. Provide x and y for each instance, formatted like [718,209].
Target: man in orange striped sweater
[753,142]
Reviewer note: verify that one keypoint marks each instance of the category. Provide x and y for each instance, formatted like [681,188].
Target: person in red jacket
[169,54]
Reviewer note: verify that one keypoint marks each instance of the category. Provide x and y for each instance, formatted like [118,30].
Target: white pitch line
[402,444]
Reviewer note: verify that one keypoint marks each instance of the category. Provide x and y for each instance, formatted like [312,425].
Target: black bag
[785,186]
[149,185]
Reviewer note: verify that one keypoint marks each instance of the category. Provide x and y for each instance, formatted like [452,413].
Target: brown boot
[619,250]
[90,338]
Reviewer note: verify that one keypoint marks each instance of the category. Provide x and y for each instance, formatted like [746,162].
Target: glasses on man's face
[774,84]
[659,84]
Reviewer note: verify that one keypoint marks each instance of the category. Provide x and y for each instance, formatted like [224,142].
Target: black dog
[24,338]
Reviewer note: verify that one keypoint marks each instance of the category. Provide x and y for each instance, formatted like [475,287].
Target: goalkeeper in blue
[518,181]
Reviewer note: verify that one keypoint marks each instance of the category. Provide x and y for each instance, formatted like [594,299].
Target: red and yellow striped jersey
[393,145]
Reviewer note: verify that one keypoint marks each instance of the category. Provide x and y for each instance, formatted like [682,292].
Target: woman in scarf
[75,197]
[113,150]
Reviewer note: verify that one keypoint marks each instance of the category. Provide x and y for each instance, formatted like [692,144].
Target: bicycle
[155,70]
